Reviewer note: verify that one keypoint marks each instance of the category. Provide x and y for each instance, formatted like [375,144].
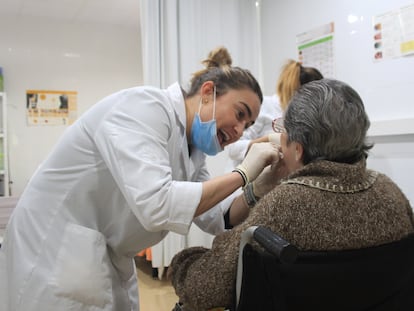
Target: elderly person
[329,200]
[293,75]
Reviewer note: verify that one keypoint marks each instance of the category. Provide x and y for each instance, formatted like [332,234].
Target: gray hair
[327,117]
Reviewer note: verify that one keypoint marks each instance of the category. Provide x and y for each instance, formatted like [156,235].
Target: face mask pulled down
[204,134]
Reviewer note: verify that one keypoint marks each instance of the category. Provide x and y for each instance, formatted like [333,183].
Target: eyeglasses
[277,125]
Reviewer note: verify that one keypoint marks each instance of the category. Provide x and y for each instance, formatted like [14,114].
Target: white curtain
[160,46]
[176,36]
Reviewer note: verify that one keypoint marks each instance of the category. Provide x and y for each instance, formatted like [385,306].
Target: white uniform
[269,110]
[115,184]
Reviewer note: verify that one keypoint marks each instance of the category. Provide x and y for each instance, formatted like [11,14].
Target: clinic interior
[95,48]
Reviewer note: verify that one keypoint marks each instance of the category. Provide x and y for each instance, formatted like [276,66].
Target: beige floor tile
[154,294]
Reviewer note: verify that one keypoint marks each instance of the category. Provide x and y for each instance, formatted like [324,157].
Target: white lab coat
[269,110]
[115,184]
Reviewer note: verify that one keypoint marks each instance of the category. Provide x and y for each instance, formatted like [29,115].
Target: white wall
[100,59]
[385,87]
[204,25]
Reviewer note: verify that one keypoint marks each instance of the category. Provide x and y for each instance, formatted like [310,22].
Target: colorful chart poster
[316,49]
[394,33]
[51,107]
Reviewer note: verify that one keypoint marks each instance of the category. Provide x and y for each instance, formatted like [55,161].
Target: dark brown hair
[225,77]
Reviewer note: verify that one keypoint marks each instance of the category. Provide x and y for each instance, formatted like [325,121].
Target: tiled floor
[154,294]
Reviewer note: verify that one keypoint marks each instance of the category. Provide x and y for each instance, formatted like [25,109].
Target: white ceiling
[112,12]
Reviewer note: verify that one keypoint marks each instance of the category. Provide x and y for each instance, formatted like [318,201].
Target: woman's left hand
[269,178]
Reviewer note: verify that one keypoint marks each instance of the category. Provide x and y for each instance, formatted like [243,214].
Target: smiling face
[236,110]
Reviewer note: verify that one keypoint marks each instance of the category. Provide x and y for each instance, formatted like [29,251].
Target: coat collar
[334,177]
[176,95]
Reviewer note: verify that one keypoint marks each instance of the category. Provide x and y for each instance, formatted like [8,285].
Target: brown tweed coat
[323,206]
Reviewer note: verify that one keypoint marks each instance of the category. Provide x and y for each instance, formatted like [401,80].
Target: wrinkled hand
[259,156]
[269,178]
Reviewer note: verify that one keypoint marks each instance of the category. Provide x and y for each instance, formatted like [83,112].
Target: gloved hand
[274,138]
[269,178]
[259,156]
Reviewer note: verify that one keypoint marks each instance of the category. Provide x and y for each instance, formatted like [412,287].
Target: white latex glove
[269,178]
[259,156]
[274,138]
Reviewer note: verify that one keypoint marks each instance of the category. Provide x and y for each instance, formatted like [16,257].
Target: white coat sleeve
[132,139]
[212,221]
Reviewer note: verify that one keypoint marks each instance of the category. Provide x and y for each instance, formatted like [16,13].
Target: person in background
[128,171]
[328,201]
[293,75]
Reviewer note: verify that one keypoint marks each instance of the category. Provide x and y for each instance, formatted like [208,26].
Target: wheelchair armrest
[273,243]
[276,245]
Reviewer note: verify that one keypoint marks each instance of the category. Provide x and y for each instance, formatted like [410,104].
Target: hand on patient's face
[269,178]
[259,156]
[274,138]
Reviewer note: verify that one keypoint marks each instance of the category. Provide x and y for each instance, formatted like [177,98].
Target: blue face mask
[204,134]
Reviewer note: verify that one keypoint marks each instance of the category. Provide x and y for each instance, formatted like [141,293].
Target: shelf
[391,127]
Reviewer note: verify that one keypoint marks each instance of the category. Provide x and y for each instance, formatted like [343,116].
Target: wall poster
[51,107]
[394,33]
[316,49]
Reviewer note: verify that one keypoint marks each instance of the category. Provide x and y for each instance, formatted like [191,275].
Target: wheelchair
[280,277]
[283,278]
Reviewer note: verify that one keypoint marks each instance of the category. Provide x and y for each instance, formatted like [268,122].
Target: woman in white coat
[128,171]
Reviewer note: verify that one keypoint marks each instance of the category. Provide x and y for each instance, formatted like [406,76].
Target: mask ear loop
[199,105]
[214,103]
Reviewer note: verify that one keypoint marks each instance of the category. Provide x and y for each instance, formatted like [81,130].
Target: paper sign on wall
[394,33]
[316,49]
[51,107]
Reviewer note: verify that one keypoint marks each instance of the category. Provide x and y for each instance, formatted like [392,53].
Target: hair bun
[219,57]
